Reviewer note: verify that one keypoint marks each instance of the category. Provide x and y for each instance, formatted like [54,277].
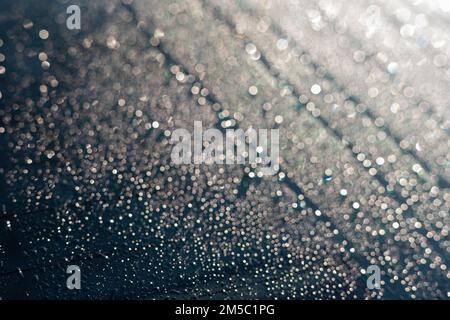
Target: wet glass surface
[358,92]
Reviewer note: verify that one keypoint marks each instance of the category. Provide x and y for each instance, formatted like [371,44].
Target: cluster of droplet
[85,125]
